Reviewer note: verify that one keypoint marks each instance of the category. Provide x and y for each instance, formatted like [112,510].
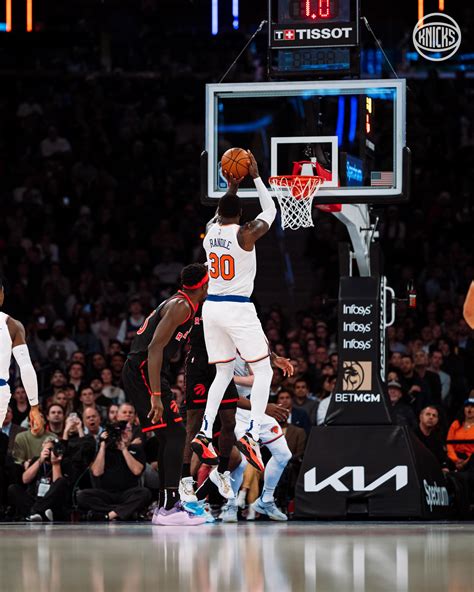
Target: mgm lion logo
[357,376]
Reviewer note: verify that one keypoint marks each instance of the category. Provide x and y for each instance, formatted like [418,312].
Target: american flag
[378,178]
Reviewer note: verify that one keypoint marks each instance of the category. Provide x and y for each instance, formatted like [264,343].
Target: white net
[295,195]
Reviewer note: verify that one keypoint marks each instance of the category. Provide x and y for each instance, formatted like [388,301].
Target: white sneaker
[270,509]
[250,513]
[229,512]
[186,490]
[223,483]
[242,498]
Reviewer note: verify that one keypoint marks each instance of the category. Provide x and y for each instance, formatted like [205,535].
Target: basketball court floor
[300,556]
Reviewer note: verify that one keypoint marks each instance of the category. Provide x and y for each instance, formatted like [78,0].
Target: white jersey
[5,347]
[231,269]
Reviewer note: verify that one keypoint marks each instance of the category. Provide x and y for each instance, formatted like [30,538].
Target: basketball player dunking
[230,319]
[146,376]
[12,341]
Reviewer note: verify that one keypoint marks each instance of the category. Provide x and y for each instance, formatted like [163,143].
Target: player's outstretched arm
[27,372]
[175,314]
[251,232]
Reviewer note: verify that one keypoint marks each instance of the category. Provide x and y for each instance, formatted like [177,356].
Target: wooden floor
[300,556]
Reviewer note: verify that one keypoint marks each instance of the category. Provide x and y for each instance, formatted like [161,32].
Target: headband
[200,284]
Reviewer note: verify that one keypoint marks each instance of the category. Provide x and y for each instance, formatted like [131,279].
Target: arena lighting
[8,16]
[441,5]
[215,17]
[235,14]
[421,12]
[8,12]
[29,16]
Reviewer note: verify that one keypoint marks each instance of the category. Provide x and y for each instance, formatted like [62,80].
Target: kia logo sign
[398,473]
[439,34]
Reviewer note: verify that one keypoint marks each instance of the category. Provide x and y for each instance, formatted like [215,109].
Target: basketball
[236,162]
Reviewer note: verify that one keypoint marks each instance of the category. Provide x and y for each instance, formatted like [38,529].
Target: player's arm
[27,372]
[175,314]
[252,231]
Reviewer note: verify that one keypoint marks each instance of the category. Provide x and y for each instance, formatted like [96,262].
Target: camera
[114,432]
[58,448]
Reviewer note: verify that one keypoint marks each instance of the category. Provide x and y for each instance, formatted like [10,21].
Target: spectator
[55,420]
[436,362]
[47,491]
[92,427]
[116,364]
[98,363]
[417,389]
[10,429]
[402,412]
[20,406]
[109,390]
[57,382]
[296,417]
[429,433]
[463,429]
[168,269]
[116,470]
[28,444]
[84,338]
[131,324]
[112,413]
[421,368]
[76,376]
[303,400]
[60,348]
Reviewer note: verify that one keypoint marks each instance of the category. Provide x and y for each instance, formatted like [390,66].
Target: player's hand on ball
[277,412]
[285,365]
[232,181]
[253,167]
[156,411]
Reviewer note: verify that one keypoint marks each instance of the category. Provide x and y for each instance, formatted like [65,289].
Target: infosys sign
[331,35]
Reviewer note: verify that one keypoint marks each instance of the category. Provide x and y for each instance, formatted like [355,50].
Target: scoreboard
[313,38]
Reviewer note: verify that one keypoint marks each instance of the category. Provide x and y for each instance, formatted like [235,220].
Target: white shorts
[230,327]
[270,430]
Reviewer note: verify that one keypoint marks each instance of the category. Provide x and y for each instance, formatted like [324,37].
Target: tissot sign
[329,34]
[359,395]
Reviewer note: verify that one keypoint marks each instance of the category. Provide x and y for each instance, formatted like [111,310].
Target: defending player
[146,376]
[271,436]
[199,375]
[12,341]
[230,318]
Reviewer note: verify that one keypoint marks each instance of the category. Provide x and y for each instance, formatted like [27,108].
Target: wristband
[156,394]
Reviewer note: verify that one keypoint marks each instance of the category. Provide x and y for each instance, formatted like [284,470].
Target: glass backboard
[352,132]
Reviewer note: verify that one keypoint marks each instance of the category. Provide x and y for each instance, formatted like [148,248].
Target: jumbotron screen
[313,11]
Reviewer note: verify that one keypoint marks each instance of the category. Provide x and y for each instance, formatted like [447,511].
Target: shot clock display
[318,37]
[302,11]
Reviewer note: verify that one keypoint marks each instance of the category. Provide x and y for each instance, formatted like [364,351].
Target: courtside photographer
[116,492]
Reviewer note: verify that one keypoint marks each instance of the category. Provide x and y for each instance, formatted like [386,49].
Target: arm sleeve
[27,372]
[266,202]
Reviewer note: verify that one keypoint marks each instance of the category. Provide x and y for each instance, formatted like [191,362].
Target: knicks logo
[200,389]
[174,407]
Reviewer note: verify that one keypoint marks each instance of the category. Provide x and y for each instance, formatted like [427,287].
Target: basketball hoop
[295,194]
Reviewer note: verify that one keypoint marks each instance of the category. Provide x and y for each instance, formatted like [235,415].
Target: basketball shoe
[204,449]
[186,490]
[177,516]
[223,483]
[229,512]
[251,450]
[269,509]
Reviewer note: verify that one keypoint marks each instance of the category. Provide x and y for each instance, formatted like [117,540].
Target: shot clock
[313,37]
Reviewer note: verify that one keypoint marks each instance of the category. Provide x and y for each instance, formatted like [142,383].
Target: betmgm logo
[436,37]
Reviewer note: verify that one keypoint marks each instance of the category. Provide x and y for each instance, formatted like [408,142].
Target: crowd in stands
[100,210]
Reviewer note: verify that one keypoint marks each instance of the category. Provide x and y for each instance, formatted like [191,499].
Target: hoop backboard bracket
[358,126]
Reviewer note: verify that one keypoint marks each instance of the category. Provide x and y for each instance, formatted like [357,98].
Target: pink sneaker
[177,516]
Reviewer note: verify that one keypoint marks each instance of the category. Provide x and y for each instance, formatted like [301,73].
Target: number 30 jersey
[231,269]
